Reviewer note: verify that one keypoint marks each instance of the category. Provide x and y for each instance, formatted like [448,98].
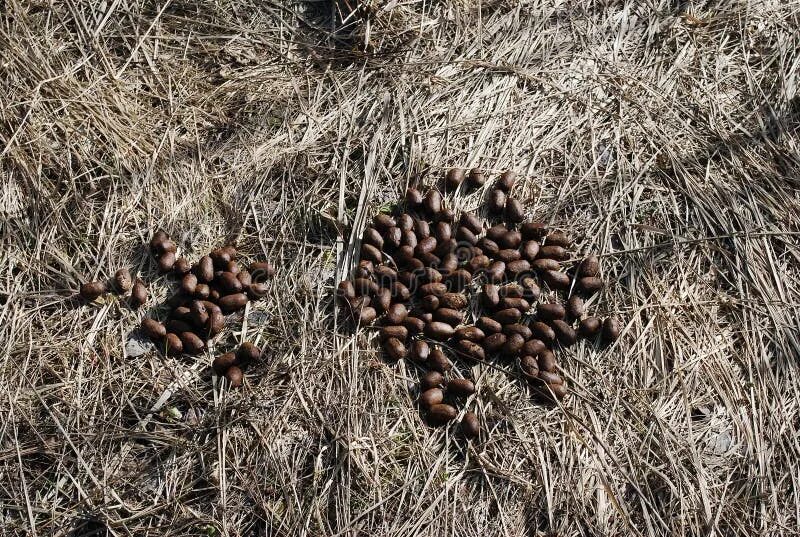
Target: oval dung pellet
[442,231]
[202,291]
[544,265]
[431,397]
[517,328]
[372,237]
[92,290]
[565,334]
[556,279]
[445,215]
[508,316]
[420,352]
[456,301]
[546,361]
[204,269]
[534,347]
[465,235]
[553,252]
[122,280]
[513,345]
[405,222]
[548,312]
[166,262]
[558,238]
[494,342]
[228,283]
[138,294]
[589,267]
[470,426]
[439,331]
[436,289]
[496,232]
[496,272]
[413,197]
[425,246]
[520,266]
[223,362]
[370,253]
[192,344]
[345,291]
[396,314]
[441,414]
[182,266]
[550,378]
[575,307]
[438,362]
[479,262]
[472,333]
[393,237]
[507,255]
[476,177]
[470,349]
[176,326]
[511,239]
[512,290]
[153,329]
[431,379]
[531,290]
[261,271]
[430,303]
[198,313]
[488,246]
[382,300]
[395,348]
[533,230]
[367,315]
[611,330]
[519,303]
[514,212]
[459,279]
[490,296]
[247,353]
[383,221]
[497,201]
[559,390]
[231,303]
[173,344]
[235,376]
[488,325]
[156,241]
[394,331]
[589,327]
[529,366]
[529,250]
[471,222]
[589,284]
[409,239]
[415,325]
[454,177]
[542,331]
[432,203]
[460,387]
[506,180]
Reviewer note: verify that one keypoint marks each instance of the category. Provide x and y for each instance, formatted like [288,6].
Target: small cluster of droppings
[439,283]
[121,283]
[208,290]
[231,364]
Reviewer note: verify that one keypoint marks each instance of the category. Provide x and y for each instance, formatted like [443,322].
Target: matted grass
[663,135]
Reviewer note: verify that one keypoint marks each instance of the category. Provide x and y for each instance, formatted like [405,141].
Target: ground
[662,134]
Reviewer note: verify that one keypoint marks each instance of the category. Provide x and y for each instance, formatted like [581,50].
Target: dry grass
[663,133]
